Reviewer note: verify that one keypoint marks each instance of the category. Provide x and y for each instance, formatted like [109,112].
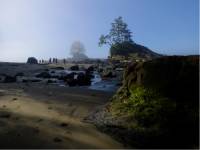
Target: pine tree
[118,34]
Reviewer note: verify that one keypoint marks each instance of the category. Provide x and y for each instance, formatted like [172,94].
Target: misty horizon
[47,29]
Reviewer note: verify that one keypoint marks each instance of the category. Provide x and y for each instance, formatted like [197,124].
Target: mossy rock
[160,101]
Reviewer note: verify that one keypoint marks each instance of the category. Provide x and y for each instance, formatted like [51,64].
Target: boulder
[108,74]
[80,79]
[74,68]
[70,79]
[83,79]
[90,69]
[32,60]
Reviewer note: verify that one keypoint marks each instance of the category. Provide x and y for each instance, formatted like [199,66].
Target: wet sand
[38,115]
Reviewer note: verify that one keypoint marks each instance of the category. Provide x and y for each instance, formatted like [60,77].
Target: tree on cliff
[118,34]
[121,44]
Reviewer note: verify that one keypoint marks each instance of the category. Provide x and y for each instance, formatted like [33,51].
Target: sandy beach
[35,115]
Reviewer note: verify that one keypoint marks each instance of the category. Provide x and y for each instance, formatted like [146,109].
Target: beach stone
[64,124]
[14,99]
[57,140]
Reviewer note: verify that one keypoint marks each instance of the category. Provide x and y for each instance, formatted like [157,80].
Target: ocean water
[97,83]
[104,86]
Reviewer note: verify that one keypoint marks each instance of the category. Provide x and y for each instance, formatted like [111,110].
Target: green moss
[147,108]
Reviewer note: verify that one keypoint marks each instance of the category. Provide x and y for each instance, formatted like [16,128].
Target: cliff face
[173,77]
[158,104]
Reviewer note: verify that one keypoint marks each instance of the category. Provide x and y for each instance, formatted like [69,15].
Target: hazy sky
[47,28]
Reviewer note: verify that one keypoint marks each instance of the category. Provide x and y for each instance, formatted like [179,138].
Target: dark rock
[64,124]
[43,75]
[35,80]
[108,74]
[52,81]
[57,140]
[32,60]
[20,74]
[70,79]
[80,79]
[9,79]
[40,120]
[71,82]
[100,70]
[90,69]
[4,114]
[58,68]
[24,81]
[14,99]
[74,68]
[83,79]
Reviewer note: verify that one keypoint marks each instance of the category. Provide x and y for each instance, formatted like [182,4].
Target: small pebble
[57,139]
[14,99]
[63,124]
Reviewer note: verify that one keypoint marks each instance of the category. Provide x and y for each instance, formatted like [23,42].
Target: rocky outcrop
[132,50]
[157,105]
[32,60]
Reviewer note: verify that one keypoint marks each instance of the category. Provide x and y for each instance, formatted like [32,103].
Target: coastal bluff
[157,106]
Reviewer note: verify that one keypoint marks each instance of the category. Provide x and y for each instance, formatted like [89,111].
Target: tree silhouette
[118,34]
